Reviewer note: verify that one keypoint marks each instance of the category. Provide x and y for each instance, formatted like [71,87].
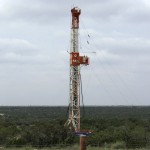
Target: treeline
[44,126]
[61,112]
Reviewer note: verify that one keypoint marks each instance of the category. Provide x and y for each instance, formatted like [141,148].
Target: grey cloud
[43,11]
[21,52]
[33,11]
[18,46]
[19,60]
[34,38]
[125,46]
[125,54]
[119,11]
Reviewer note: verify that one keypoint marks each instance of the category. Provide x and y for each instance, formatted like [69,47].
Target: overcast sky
[35,38]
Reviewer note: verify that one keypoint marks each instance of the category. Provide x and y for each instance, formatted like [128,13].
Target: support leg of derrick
[83,142]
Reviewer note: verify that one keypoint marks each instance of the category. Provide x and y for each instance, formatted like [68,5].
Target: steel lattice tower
[75,61]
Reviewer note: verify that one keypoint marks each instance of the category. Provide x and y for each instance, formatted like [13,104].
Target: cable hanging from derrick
[89,40]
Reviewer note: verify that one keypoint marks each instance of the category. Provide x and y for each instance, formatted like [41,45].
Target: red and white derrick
[75,61]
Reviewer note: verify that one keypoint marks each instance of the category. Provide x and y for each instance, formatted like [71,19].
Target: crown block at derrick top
[75,17]
[76,11]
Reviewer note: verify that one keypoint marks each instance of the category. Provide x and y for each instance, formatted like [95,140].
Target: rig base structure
[83,142]
[83,138]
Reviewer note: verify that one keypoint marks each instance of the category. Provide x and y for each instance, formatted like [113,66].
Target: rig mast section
[75,61]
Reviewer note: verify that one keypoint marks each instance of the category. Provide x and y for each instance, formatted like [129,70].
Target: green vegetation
[39,127]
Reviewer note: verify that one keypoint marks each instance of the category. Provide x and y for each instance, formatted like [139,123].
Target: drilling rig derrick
[75,61]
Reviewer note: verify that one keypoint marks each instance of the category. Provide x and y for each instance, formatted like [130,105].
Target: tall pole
[75,61]
[74,105]
[74,112]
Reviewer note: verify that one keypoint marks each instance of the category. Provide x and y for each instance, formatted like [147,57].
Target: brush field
[121,127]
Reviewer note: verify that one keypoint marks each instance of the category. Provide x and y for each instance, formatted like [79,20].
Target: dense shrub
[35,127]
